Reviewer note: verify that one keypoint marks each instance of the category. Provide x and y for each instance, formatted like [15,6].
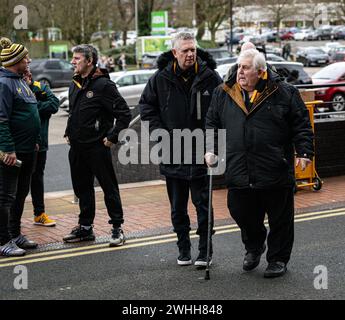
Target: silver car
[130,84]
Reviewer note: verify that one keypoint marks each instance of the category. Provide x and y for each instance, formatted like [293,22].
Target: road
[146,269]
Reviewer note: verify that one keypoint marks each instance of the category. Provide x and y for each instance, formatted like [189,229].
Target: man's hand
[107,143]
[37,147]
[67,140]
[303,162]
[10,159]
[211,159]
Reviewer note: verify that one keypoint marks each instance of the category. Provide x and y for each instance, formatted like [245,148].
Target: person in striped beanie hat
[19,140]
[11,53]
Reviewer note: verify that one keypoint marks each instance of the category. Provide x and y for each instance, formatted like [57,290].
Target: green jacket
[19,118]
[47,105]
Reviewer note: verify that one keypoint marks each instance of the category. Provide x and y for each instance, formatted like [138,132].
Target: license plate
[322,61]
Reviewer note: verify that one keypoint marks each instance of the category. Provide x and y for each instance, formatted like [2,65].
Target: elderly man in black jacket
[178,97]
[94,105]
[266,123]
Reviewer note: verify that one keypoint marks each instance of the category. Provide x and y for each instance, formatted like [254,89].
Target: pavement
[147,211]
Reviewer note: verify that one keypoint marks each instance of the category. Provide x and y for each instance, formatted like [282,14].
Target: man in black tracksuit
[266,121]
[94,104]
[178,97]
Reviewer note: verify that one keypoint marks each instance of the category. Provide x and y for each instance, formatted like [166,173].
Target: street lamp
[231,27]
[136,16]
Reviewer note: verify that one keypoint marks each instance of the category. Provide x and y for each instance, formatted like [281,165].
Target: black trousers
[86,163]
[178,192]
[14,188]
[248,208]
[8,190]
[37,183]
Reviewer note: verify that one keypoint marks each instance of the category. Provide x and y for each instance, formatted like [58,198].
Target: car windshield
[331,72]
[220,54]
[35,63]
[315,51]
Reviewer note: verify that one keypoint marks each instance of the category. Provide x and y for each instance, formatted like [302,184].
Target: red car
[333,73]
[286,35]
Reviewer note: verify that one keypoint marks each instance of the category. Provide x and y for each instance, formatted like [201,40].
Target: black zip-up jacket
[166,104]
[94,104]
[260,145]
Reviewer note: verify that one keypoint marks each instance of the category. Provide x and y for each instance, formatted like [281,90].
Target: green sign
[159,22]
[58,51]
[152,45]
[157,45]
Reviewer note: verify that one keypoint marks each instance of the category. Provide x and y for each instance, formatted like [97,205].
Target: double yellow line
[141,242]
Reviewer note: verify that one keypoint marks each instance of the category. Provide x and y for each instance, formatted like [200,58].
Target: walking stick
[209,230]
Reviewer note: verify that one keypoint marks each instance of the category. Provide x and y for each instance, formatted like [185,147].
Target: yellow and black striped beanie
[11,53]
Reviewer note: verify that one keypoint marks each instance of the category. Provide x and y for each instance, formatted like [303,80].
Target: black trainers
[201,260]
[117,238]
[24,243]
[252,259]
[275,269]
[184,259]
[78,234]
[10,249]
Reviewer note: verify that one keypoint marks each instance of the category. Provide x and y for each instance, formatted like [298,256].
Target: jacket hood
[167,57]
[95,73]
[4,73]
[99,73]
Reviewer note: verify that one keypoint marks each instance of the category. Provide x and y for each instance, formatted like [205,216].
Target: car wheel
[46,82]
[338,102]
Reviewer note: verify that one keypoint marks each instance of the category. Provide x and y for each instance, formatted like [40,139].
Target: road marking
[147,241]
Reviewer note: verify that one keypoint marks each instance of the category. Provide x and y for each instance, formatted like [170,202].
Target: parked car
[53,72]
[270,36]
[333,73]
[130,84]
[302,35]
[274,57]
[321,34]
[338,33]
[292,72]
[312,56]
[330,46]
[286,35]
[338,56]
[269,49]
[149,61]
[221,56]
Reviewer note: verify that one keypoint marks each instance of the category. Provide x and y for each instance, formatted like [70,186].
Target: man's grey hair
[258,59]
[88,51]
[182,36]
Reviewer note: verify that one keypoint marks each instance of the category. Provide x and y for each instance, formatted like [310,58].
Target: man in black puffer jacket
[266,121]
[178,97]
[94,104]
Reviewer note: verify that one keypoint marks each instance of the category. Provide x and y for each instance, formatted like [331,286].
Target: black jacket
[260,145]
[94,104]
[166,104]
